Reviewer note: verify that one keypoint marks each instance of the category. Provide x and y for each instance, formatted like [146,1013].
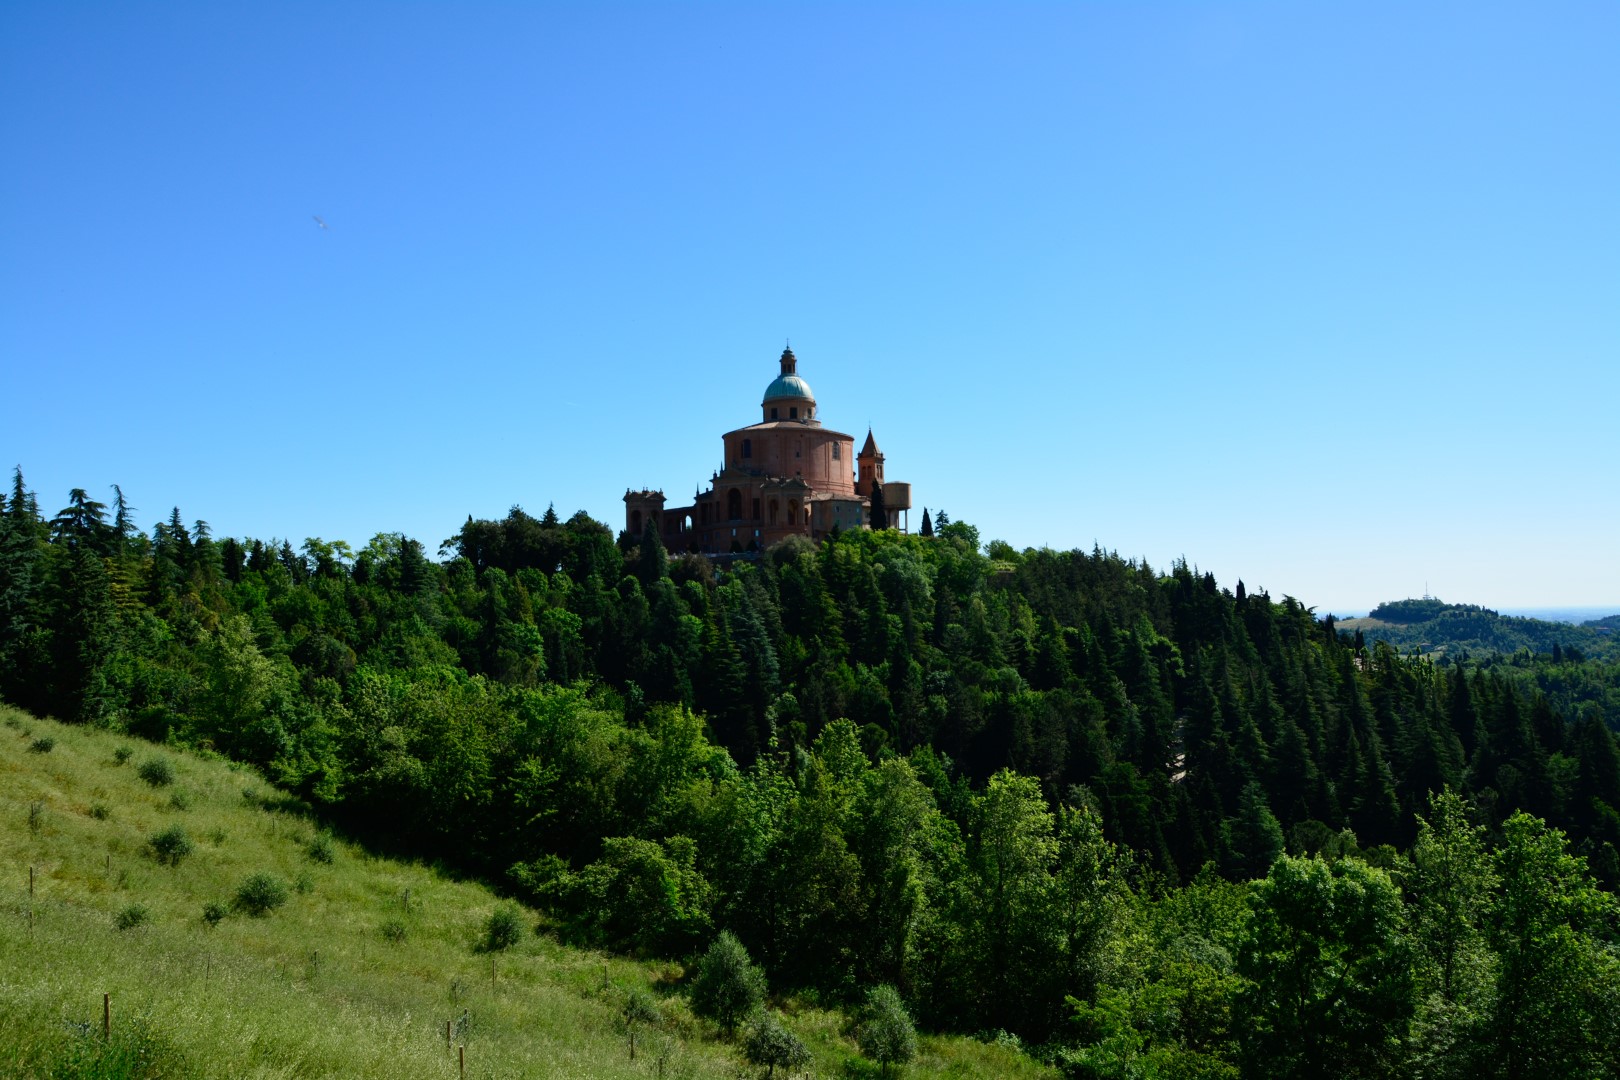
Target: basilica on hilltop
[784,476]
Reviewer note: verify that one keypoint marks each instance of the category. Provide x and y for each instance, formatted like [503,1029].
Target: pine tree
[82,523]
[1255,835]
[84,638]
[927,526]
[21,569]
[1595,804]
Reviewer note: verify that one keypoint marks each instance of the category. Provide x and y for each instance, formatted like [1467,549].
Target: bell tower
[869,466]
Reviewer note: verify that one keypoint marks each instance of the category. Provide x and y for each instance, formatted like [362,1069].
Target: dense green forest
[1146,824]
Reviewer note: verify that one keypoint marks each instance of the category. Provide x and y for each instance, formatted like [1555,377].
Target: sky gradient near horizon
[1322,298]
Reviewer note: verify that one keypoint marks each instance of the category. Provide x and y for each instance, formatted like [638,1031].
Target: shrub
[504,928]
[157,771]
[305,884]
[180,801]
[42,745]
[100,811]
[131,917]
[214,912]
[392,930]
[171,845]
[122,755]
[639,1008]
[321,849]
[261,894]
[886,1034]
[770,1044]
[727,987]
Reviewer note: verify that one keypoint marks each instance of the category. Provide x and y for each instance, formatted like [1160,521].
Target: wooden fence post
[463,1056]
[106,1016]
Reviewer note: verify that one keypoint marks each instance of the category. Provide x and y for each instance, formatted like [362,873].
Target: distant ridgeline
[1450,630]
[1406,612]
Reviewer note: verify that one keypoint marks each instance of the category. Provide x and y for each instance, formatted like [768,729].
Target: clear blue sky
[1325,297]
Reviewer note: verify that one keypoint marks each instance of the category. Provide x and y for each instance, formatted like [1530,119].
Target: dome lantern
[789,397]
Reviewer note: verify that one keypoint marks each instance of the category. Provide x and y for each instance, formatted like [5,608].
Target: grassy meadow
[355,975]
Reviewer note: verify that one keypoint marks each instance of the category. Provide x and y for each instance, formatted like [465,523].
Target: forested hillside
[1030,790]
[1452,630]
[1574,668]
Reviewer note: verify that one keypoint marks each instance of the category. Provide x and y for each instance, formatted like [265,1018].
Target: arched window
[748,448]
[772,512]
[838,450]
[635,523]
[793,412]
[793,511]
[773,414]
[734,504]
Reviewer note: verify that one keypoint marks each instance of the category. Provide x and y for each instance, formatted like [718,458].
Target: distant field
[356,975]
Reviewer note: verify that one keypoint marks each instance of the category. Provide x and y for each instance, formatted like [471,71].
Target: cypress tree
[1464,718]
[123,522]
[880,510]
[652,561]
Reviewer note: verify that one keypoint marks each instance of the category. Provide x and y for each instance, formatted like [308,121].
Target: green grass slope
[356,975]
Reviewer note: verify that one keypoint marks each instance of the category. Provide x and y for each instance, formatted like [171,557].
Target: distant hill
[1434,626]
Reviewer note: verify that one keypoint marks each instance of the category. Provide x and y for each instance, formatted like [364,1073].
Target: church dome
[788,386]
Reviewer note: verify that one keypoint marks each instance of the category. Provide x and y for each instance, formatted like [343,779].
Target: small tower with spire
[869,466]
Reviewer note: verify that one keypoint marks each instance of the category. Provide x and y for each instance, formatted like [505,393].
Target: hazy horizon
[1570,613]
